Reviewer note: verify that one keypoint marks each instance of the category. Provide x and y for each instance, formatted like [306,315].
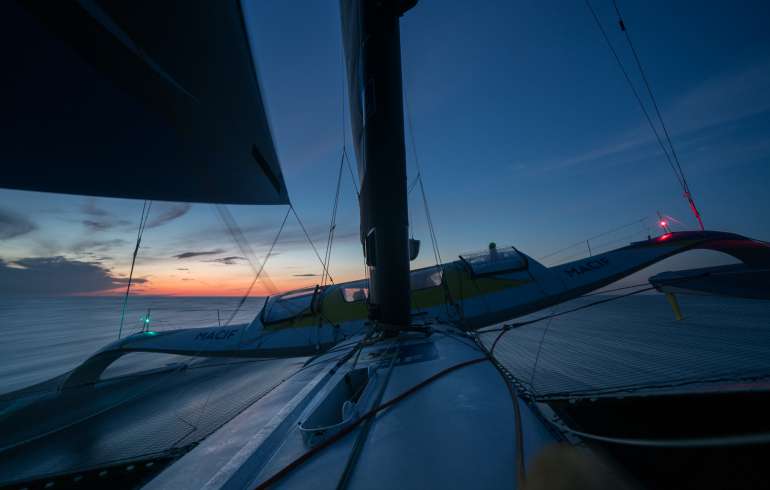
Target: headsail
[140,99]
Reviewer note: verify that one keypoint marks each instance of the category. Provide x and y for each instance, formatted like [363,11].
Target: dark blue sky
[526,132]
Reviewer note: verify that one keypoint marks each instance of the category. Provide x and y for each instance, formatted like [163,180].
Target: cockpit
[494,261]
[290,305]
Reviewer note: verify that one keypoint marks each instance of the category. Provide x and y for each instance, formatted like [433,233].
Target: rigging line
[142,224]
[343,79]
[602,292]
[521,473]
[350,169]
[332,223]
[633,89]
[413,184]
[409,208]
[261,268]
[692,442]
[582,242]
[363,434]
[623,28]
[431,229]
[539,351]
[685,185]
[242,243]
[511,326]
[315,250]
[276,477]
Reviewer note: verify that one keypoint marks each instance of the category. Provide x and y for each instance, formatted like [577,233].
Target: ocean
[632,339]
[45,337]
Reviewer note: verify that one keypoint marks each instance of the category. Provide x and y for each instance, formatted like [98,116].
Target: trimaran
[378,383]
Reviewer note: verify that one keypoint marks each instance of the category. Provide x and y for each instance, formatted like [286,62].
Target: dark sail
[372,44]
[140,99]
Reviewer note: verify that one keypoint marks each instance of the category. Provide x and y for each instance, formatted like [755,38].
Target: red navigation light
[663,224]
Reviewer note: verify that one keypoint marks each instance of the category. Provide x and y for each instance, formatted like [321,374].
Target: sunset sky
[525,129]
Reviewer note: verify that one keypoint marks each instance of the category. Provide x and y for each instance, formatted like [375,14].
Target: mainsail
[140,99]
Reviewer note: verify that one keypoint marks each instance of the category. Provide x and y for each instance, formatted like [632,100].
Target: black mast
[373,52]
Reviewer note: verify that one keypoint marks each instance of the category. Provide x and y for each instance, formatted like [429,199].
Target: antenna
[663,223]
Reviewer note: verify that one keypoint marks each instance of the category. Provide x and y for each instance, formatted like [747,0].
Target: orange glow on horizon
[235,287]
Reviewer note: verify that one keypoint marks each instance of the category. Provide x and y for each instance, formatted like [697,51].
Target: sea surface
[46,337]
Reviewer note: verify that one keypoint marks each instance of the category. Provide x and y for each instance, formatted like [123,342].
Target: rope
[332,223]
[429,220]
[355,423]
[539,351]
[583,241]
[243,245]
[142,224]
[511,326]
[259,272]
[418,179]
[358,445]
[672,158]
[521,474]
[350,170]
[685,185]
[636,94]
[315,250]
[718,441]
[605,291]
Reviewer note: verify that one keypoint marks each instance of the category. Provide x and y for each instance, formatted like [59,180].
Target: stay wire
[350,170]
[624,29]
[635,92]
[259,272]
[243,245]
[419,179]
[511,326]
[332,222]
[142,224]
[683,178]
[343,92]
[594,237]
[312,245]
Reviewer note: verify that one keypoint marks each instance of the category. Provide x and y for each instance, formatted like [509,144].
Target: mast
[373,52]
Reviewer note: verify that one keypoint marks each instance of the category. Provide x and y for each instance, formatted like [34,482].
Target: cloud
[305,275]
[189,255]
[170,213]
[56,276]
[90,208]
[124,280]
[13,225]
[90,246]
[99,219]
[182,269]
[227,260]
[101,225]
[723,99]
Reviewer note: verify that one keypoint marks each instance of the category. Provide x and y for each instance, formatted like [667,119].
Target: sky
[523,125]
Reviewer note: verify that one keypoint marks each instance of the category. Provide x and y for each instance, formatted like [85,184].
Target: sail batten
[144,100]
